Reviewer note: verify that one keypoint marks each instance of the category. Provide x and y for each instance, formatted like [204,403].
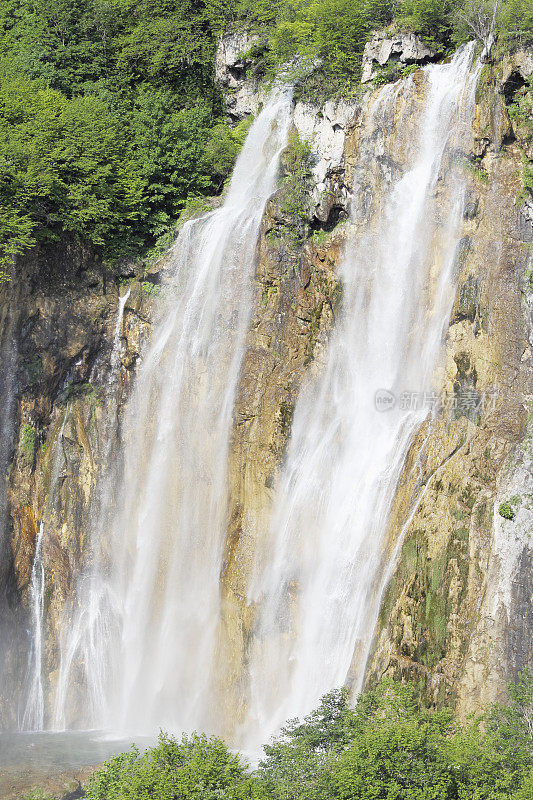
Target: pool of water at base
[61,751]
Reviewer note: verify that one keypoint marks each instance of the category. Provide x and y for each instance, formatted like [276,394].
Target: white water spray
[318,578]
[141,651]
[117,334]
[143,638]
[33,717]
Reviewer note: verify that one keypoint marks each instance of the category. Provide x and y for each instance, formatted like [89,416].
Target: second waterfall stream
[139,652]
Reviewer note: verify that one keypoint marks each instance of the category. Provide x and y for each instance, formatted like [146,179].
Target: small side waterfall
[318,578]
[143,636]
[117,334]
[33,717]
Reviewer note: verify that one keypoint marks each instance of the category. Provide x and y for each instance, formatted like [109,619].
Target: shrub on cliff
[332,31]
[431,18]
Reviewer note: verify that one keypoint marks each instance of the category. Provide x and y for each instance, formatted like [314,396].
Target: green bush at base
[387,748]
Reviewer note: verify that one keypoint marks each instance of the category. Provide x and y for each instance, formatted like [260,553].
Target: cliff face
[71,362]
[456,616]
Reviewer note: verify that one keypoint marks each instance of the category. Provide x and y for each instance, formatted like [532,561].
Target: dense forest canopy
[110,118]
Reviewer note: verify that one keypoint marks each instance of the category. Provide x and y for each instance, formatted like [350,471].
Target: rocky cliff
[456,613]
[71,359]
[456,616]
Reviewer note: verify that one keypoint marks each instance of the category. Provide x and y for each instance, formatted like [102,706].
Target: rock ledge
[405,47]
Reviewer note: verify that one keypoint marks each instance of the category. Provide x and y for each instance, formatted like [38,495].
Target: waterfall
[142,642]
[140,649]
[33,717]
[319,577]
[117,335]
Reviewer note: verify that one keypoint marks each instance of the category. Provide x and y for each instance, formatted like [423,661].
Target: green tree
[66,168]
[386,748]
[294,760]
[394,760]
[515,21]
[193,768]
[492,757]
[106,109]
[431,18]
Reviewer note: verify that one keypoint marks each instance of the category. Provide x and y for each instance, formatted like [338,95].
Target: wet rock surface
[68,386]
[456,618]
[17,783]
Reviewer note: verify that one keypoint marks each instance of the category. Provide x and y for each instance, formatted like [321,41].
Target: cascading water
[143,639]
[117,334]
[111,428]
[33,717]
[142,647]
[318,578]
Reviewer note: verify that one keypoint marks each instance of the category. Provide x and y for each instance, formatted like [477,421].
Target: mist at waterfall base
[140,650]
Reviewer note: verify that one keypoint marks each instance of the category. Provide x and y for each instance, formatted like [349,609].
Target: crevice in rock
[514,82]
[508,138]
[237,71]
[337,214]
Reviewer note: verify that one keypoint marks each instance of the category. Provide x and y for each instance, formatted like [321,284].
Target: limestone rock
[243,93]
[67,396]
[457,613]
[325,130]
[521,61]
[296,292]
[229,62]
[408,48]
[463,580]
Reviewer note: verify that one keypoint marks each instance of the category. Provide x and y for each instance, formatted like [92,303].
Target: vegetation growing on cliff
[335,32]
[386,748]
[110,118]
